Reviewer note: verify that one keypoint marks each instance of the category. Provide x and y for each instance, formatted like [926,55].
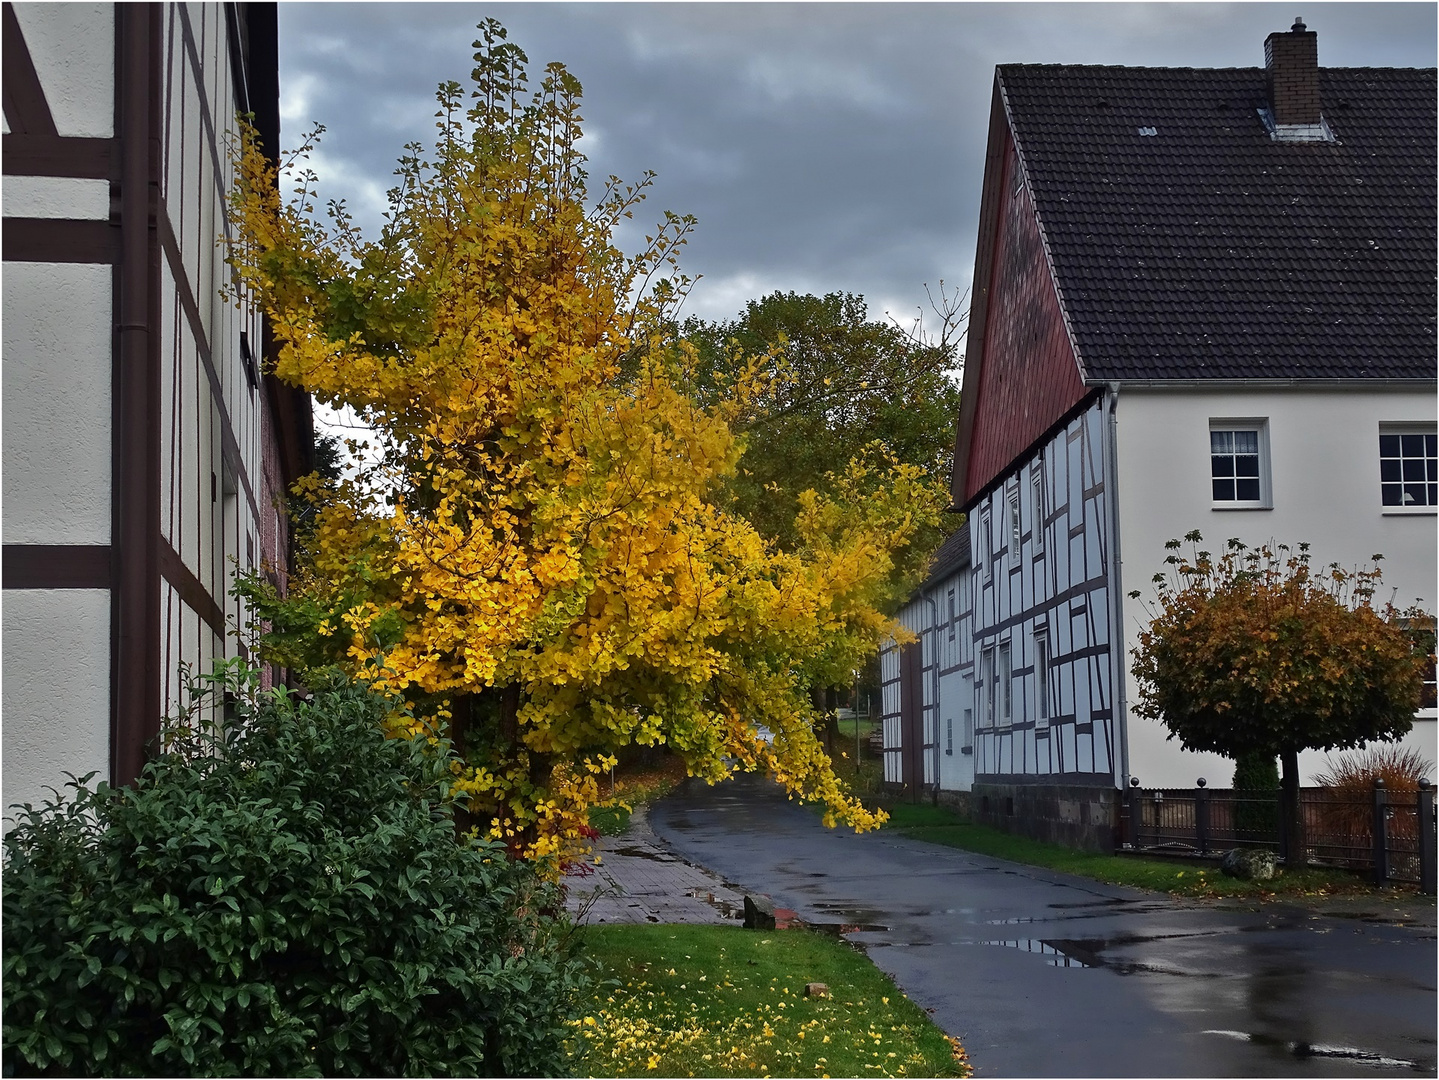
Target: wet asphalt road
[1043,974]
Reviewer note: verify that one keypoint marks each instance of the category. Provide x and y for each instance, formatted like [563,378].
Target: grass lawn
[724,1001]
[938,825]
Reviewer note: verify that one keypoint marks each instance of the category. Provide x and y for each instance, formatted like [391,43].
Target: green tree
[1257,653]
[847,381]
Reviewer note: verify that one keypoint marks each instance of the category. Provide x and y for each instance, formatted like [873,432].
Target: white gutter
[1263,384]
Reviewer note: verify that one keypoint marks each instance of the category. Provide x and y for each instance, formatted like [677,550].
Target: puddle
[1305,1050]
[1089,953]
[1054,956]
[833,929]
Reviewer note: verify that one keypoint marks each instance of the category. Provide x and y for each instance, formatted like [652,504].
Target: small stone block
[816,990]
[758,913]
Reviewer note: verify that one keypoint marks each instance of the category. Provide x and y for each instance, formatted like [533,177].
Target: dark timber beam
[135,631]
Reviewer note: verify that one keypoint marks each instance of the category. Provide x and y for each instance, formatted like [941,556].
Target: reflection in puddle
[1055,957]
[1320,1050]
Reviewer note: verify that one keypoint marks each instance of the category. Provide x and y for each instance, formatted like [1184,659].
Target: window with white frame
[1004,686]
[1041,679]
[1239,463]
[1408,467]
[949,735]
[951,613]
[1041,511]
[966,734]
[1013,533]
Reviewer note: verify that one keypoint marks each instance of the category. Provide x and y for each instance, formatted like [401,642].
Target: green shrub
[293,901]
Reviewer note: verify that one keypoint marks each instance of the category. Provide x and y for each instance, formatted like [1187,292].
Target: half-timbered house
[1203,299]
[145,452]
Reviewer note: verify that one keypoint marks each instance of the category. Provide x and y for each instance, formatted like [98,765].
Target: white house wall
[1324,473]
[56,409]
[73,49]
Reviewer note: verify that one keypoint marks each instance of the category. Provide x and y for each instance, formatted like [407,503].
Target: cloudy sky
[823,147]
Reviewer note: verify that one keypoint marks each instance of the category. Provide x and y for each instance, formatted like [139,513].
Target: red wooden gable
[1022,374]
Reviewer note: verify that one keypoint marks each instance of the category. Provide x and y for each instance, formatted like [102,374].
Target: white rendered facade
[1323,481]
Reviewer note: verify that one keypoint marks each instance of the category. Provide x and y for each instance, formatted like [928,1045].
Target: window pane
[1414,495]
[1246,466]
[1224,491]
[1430,442]
[1221,442]
[1393,494]
[1389,445]
[1391,470]
[1248,491]
[1433,494]
[1413,445]
[1246,442]
[1414,469]
[1431,469]
[1222,466]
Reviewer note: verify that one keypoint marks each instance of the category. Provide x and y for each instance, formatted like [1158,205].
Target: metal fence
[1387,834]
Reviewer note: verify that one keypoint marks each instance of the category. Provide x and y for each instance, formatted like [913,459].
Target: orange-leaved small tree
[536,557]
[1258,652]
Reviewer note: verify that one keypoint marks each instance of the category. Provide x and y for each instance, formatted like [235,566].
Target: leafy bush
[292,900]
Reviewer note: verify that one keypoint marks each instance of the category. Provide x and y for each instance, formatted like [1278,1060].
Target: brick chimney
[1291,62]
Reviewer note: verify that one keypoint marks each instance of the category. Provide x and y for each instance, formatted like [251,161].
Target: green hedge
[292,901]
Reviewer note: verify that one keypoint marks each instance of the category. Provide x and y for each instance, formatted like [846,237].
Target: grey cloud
[822,146]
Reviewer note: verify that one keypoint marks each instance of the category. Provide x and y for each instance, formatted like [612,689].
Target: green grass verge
[937,825]
[723,1001]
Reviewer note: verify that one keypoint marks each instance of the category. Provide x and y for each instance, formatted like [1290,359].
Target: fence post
[1136,812]
[1201,816]
[1381,833]
[1425,809]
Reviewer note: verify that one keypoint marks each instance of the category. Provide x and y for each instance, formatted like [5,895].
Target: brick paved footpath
[640,880]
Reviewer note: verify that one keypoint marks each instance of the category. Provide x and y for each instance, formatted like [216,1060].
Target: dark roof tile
[1208,250]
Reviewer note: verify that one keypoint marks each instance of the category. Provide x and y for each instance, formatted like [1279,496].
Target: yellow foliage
[538,535]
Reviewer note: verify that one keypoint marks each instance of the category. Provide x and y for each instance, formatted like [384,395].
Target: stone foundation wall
[1083,817]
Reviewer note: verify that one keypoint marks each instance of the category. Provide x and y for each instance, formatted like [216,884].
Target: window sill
[1240,506]
[1409,511]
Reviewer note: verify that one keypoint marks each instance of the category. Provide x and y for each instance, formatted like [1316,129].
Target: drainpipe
[1116,593]
[934,678]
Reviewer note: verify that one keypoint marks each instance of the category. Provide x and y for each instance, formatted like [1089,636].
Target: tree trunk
[1291,814]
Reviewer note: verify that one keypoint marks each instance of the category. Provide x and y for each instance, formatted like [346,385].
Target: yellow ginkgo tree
[532,555]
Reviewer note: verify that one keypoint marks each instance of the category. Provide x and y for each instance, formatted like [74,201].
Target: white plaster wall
[56,698]
[73,48]
[56,197]
[1324,466]
[56,406]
